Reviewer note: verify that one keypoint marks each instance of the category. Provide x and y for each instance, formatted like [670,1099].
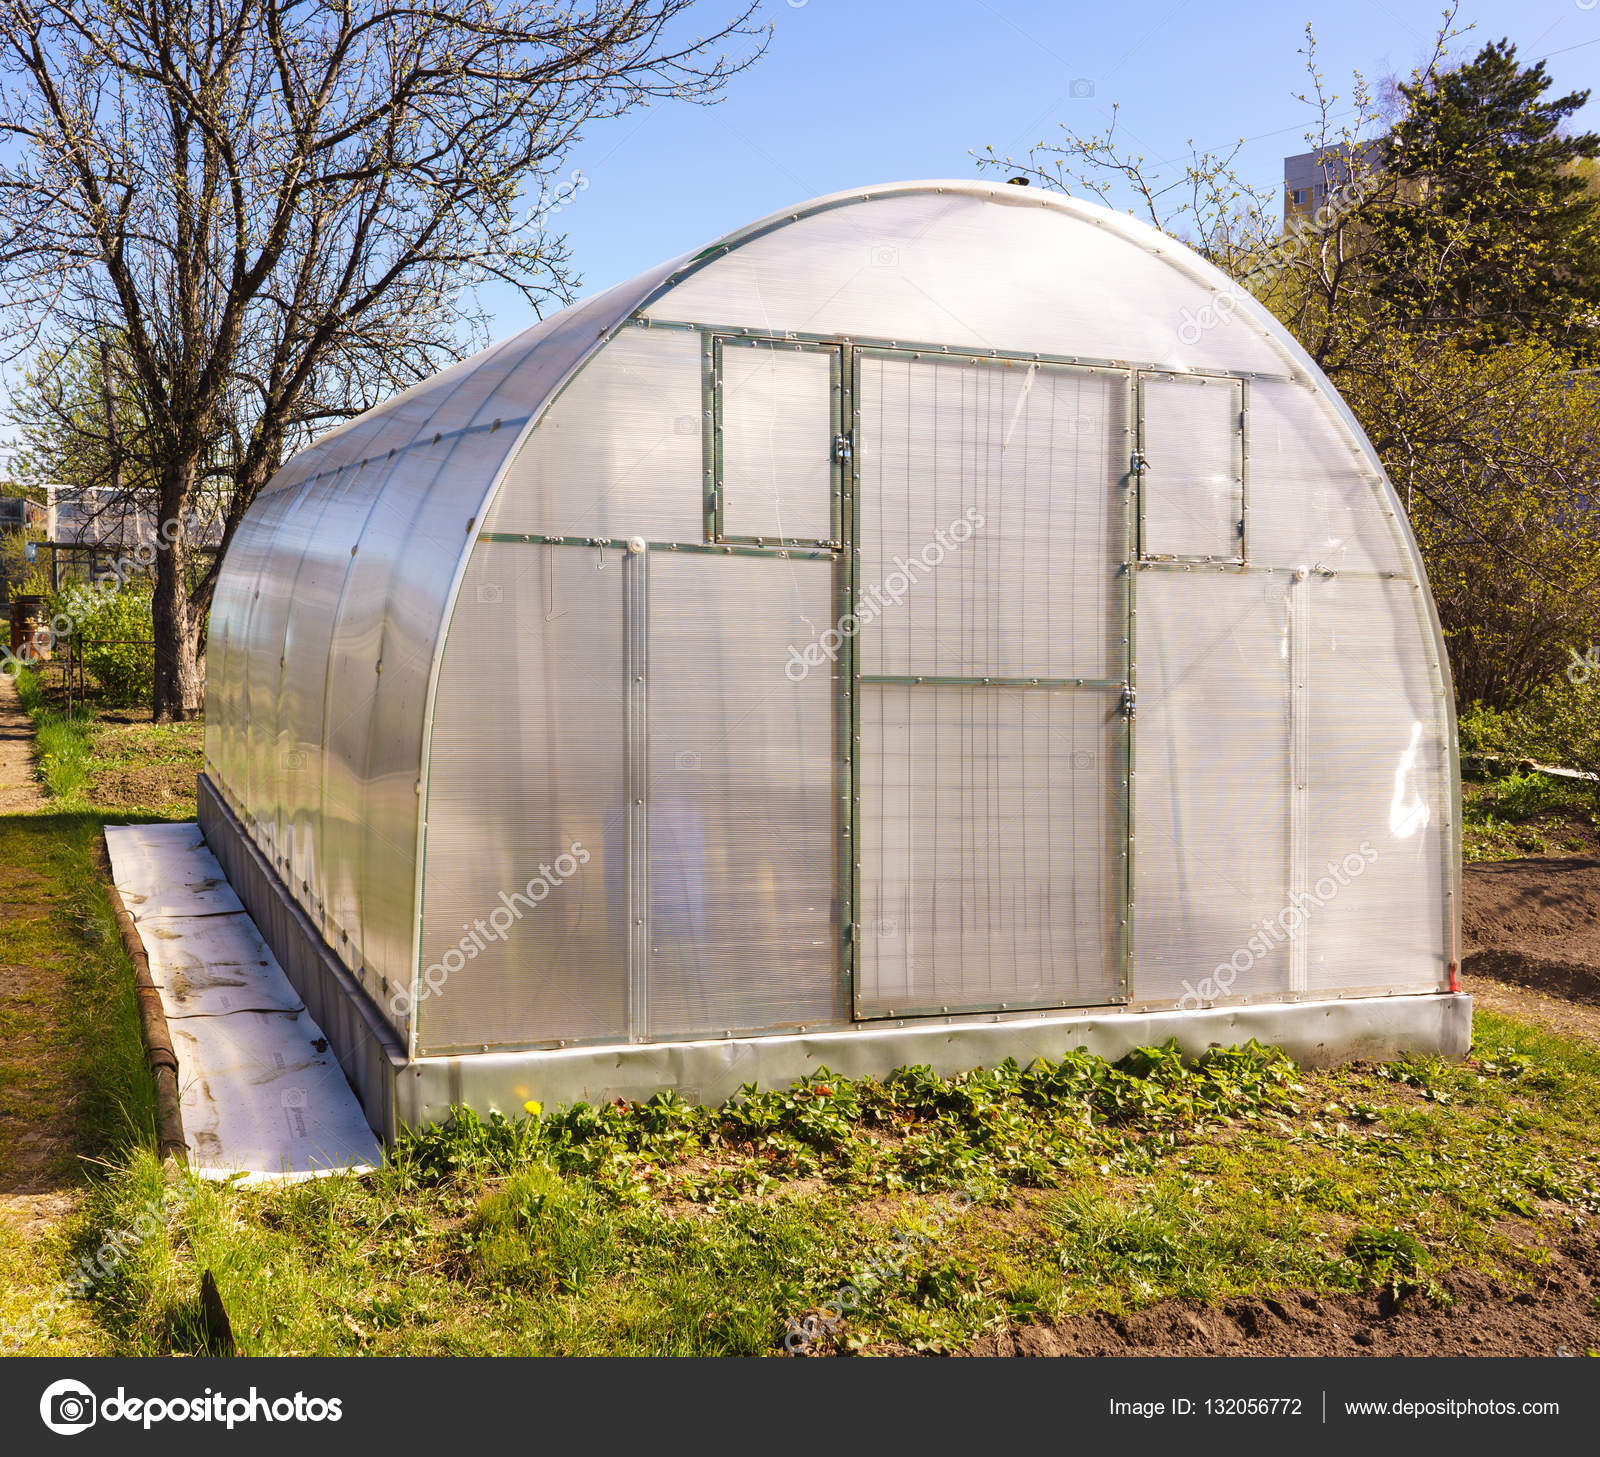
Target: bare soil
[19,790]
[1481,1316]
[1534,923]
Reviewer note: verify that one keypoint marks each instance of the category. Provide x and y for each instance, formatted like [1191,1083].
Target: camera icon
[689,759]
[491,592]
[685,425]
[883,255]
[1082,759]
[68,1407]
[295,759]
[887,929]
[294,1097]
[1081,89]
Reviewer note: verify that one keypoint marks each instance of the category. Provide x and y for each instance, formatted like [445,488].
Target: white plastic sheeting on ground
[260,1091]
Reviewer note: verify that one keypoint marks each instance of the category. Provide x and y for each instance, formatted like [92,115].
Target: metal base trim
[1315,1034]
[368,1050]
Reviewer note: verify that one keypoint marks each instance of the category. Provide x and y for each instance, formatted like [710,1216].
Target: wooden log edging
[159,1053]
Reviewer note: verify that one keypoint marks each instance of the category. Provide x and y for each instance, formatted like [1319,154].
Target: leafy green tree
[1495,226]
[1496,453]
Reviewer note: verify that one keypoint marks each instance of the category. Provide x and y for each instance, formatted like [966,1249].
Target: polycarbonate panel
[268,620]
[319,583]
[225,645]
[776,420]
[424,564]
[256,668]
[618,454]
[319,744]
[527,767]
[743,797]
[244,566]
[992,848]
[1315,498]
[355,666]
[1212,912]
[1192,486]
[993,510]
[994,268]
[1378,791]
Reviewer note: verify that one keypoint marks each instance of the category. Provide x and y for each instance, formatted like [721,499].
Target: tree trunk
[179,683]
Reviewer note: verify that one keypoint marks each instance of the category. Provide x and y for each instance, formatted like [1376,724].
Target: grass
[933,1208]
[112,759]
[75,1097]
[61,738]
[1527,813]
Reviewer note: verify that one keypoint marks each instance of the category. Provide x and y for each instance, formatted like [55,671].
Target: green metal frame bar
[1132,546]
[849,697]
[636,786]
[1175,564]
[945,351]
[804,553]
[709,439]
[937,680]
[1241,381]
[1244,471]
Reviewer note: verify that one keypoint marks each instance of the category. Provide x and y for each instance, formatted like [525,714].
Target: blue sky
[867,92]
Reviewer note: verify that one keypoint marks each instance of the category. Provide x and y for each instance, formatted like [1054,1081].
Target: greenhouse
[933,624]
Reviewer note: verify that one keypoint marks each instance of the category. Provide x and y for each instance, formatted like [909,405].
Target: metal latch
[842,449]
[1138,464]
[1128,700]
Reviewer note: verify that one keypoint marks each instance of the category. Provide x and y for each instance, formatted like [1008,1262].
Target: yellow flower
[533,1106]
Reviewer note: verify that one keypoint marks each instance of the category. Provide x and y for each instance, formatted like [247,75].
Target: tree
[1496,453]
[1495,226]
[272,208]
[79,429]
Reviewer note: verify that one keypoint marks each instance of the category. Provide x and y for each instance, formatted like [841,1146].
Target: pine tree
[1494,225]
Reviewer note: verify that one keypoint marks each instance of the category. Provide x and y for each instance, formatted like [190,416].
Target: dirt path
[36,1139]
[19,790]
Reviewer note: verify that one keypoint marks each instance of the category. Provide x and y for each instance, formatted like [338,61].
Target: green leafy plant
[1393,1259]
[112,629]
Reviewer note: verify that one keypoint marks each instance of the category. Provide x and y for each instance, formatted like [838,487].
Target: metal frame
[1296,366]
[1142,465]
[716,505]
[1123,749]
[636,787]
[638,319]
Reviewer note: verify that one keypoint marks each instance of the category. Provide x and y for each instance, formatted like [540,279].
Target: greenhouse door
[991,523]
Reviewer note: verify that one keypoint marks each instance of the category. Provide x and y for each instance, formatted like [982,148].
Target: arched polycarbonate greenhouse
[902,631]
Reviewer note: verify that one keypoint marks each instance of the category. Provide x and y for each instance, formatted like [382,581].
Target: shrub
[1559,724]
[112,626]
